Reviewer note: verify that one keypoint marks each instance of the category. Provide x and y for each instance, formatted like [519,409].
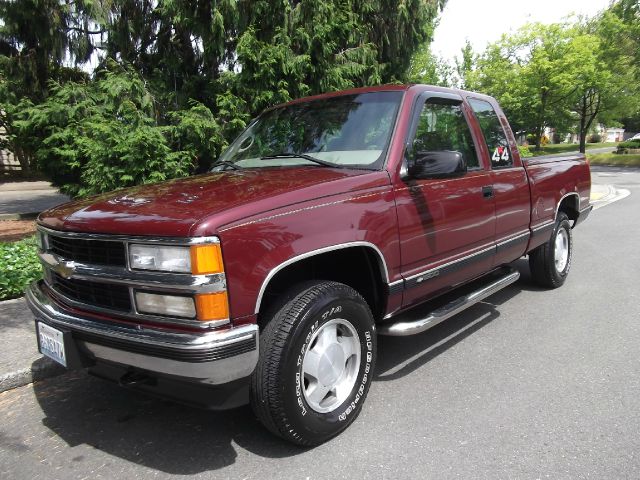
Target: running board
[401,328]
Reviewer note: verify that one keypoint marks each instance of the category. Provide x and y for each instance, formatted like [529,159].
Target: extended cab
[267,280]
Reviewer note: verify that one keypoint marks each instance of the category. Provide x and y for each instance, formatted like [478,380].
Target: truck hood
[201,204]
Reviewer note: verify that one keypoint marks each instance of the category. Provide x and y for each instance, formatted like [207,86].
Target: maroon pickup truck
[267,280]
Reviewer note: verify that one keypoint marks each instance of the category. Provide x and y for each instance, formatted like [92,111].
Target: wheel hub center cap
[331,365]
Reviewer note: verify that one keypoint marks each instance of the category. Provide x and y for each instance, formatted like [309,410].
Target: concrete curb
[39,370]
[611,195]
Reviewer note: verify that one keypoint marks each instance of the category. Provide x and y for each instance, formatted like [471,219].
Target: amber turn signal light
[206,259]
[212,306]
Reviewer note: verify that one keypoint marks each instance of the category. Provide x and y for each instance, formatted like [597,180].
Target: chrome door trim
[513,237]
[542,226]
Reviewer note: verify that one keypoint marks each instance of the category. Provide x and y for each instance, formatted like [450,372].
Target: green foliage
[465,65]
[430,69]
[568,76]
[524,151]
[97,136]
[631,160]
[630,144]
[533,74]
[178,79]
[19,266]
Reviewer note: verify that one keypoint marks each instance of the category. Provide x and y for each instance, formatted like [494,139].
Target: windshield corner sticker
[500,154]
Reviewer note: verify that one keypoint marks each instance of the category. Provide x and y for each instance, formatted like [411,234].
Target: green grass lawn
[628,160]
[568,147]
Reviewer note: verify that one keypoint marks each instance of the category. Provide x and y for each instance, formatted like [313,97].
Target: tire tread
[266,399]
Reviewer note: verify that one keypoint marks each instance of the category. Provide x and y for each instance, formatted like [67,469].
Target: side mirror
[435,164]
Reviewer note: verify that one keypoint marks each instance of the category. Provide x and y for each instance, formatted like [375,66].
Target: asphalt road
[529,384]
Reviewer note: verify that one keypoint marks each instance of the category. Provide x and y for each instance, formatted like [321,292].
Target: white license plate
[52,343]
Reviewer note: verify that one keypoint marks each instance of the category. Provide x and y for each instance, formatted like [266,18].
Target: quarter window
[494,135]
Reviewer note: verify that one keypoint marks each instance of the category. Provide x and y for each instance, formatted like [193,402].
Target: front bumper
[213,357]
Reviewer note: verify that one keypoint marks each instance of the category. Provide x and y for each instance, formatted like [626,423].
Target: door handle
[487,192]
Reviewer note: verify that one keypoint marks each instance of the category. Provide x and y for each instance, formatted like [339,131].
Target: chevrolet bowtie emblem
[65,269]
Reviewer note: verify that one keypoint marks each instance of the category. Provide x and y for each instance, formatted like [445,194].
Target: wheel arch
[319,264]
[569,203]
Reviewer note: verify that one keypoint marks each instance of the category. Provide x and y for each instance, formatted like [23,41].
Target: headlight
[170,305]
[197,259]
[163,258]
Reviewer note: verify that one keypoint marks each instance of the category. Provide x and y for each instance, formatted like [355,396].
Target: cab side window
[443,127]
[494,135]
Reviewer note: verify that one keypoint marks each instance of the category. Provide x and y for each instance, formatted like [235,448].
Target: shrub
[98,136]
[630,146]
[524,151]
[19,266]
[595,138]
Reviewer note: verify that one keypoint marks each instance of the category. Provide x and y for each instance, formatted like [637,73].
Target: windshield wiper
[226,163]
[300,155]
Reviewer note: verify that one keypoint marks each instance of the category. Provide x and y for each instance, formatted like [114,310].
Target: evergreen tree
[223,60]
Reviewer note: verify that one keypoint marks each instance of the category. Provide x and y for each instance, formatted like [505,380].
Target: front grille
[99,252]
[114,297]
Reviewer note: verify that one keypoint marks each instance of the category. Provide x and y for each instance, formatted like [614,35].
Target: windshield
[348,131]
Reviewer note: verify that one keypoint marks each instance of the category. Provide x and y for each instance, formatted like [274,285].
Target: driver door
[446,220]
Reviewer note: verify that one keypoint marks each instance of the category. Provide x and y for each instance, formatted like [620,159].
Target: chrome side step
[404,327]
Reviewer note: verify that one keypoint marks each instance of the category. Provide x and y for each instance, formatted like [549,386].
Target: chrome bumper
[214,357]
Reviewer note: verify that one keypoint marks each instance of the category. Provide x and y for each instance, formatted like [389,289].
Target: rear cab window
[493,132]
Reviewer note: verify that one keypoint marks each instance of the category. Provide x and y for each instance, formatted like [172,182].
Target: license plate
[52,343]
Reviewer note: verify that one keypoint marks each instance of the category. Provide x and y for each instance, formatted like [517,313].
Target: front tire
[550,263]
[317,356]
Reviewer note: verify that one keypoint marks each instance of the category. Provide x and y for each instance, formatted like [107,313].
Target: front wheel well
[358,267]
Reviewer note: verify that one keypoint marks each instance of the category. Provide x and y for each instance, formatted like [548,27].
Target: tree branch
[85,31]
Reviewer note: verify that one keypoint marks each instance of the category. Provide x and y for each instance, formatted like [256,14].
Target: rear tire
[550,263]
[324,330]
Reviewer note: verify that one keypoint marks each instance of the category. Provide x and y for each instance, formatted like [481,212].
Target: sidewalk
[20,361]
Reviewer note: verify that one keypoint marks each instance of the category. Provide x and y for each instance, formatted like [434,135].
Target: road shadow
[399,356]
[182,440]
[158,434]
